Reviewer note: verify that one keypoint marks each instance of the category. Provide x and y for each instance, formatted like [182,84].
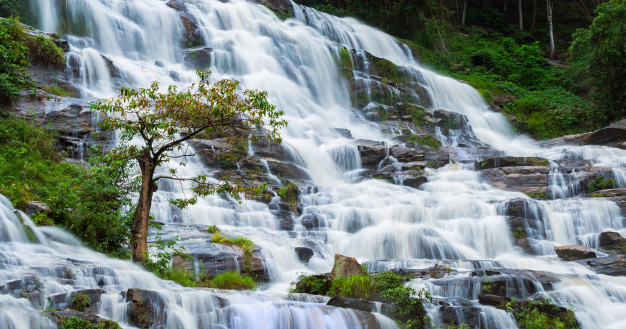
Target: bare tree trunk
[139,229]
[464,11]
[521,16]
[504,9]
[532,26]
[549,9]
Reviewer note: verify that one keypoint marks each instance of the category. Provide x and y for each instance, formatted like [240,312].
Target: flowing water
[455,218]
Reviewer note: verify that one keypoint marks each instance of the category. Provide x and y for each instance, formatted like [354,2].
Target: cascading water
[452,218]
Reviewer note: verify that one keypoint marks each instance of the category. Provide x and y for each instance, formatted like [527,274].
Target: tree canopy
[163,121]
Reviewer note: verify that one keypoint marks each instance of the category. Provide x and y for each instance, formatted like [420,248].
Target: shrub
[313,284]
[213,229]
[78,323]
[44,51]
[55,89]
[601,183]
[232,281]
[355,286]
[80,301]
[13,59]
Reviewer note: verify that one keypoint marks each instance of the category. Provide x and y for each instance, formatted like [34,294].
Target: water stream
[455,218]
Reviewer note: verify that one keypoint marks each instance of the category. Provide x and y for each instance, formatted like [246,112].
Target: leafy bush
[543,314]
[89,202]
[313,284]
[80,301]
[13,59]
[601,183]
[232,281]
[17,8]
[55,89]
[427,140]
[212,229]
[44,51]
[78,323]
[355,286]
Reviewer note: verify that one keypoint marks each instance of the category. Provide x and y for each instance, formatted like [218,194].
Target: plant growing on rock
[164,121]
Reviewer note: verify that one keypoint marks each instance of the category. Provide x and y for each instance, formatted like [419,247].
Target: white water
[455,216]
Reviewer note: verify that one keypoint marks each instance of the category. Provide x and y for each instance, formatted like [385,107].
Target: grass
[245,244]
[55,89]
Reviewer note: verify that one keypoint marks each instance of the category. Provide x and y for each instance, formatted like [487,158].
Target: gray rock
[344,266]
[304,254]
[574,252]
[611,239]
[36,207]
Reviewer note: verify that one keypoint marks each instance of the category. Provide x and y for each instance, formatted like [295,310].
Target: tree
[600,51]
[549,6]
[165,121]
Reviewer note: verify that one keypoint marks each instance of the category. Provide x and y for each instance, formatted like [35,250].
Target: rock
[58,316]
[64,300]
[371,152]
[287,170]
[531,180]
[501,162]
[611,239]
[282,7]
[344,266]
[344,132]
[269,149]
[197,58]
[353,303]
[285,218]
[608,193]
[304,254]
[613,266]
[405,154]
[574,252]
[36,207]
[193,35]
[492,300]
[457,312]
[614,136]
[311,221]
[146,308]
[113,71]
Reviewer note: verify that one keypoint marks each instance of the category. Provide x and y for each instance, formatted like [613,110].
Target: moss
[245,244]
[55,89]
[602,183]
[426,140]
[80,301]
[519,233]
[289,195]
[541,195]
[539,162]
[313,284]
[44,51]
[388,71]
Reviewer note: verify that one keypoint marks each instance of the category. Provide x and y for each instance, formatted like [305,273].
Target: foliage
[602,183]
[426,140]
[543,314]
[245,244]
[13,59]
[212,229]
[600,53]
[55,89]
[17,8]
[289,194]
[88,201]
[80,301]
[232,281]
[355,286]
[312,284]
[408,310]
[165,121]
[74,322]
[44,51]
[519,233]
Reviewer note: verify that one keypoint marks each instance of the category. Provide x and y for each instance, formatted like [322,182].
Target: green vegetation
[232,281]
[80,301]
[44,51]
[408,309]
[212,229]
[344,60]
[541,195]
[55,89]
[88,201]
[426,140]
[602,183]
[180,115]
[245,244]
[77,323]
[13,59]
[519,233]
[289,194]
[542,314]
[17,8]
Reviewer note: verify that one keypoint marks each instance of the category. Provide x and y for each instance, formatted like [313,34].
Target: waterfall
[455,218]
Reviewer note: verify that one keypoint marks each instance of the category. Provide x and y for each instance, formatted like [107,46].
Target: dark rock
[353,303]
[311,221]
[468,314]
[344,266]
[613,266]
[492,300]
[501,162]
[405,154]
[304,254]
[614,136]
[415,182]
[285,218]
[609,193]
[574,252]
[193,35]
[344,132]
[287,170]
[531,180]
[371,152]
[64,300]
[146,308]
[283,7]
[57,318]
[36,207]
[611,239]
[113,71]
[197,58]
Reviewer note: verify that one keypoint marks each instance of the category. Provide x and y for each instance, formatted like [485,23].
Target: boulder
[614,135]
[145,308]
[287,170]
[311,221]
[613,266]
[59,316]
[405,154]
[508,161]
[371,152]
[304,254]
[531,180]
[197,58]
[193,35]
[36,207]
[344,266]
[611,240]
[353,303]
[574,252]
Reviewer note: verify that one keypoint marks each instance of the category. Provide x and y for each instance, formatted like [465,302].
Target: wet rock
[501,162]
[611,240]
[193,35]
[353,303]
[492,300]
[36,207]
[371,152]
[456,312]
[574,252]
[90,303]
[304,254]
[415,182]
[613,266]
[287,170]
[57,318]
[285,217]
[531,180]
[405,154]
[344,266]
[344,132]
[145,308]
[113,71]
[614,136]
[437,158]
[282,7]
[609,193]
[197,58]
[312,221]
